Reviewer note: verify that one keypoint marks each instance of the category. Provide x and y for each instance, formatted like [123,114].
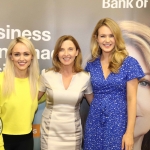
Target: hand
[127,142]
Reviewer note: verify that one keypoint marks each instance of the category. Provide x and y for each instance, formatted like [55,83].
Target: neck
[138,142]
[105,57]
[21,74]
[66,70]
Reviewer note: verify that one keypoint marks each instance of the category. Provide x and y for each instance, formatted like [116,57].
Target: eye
[102,36]
[144,83]
[16,54]
[26,54]
[70,48]
[61,49]
[111,35]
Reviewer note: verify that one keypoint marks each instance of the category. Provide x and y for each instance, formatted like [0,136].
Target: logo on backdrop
[124,3]
[36,130]
[35,35]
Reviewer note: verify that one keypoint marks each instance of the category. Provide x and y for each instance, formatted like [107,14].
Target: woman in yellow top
[18,94]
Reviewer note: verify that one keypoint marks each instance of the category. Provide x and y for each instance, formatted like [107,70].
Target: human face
[67,53]
[142,124]
[21,57]
[105,39]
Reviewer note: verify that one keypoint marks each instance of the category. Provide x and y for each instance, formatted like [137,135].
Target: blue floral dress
[107,118]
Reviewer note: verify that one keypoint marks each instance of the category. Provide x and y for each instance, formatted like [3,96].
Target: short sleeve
[88,90]
[133,69]
[87,68]
[42,86]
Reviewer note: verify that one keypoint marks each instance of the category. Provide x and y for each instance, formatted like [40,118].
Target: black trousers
[18,142]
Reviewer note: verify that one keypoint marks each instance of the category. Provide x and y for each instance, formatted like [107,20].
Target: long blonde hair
[138,36]
[9,74]
[119,52]
[78,60]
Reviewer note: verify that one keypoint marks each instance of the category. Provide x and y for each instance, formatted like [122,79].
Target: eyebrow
[105,34]
[23,52]
[68,47]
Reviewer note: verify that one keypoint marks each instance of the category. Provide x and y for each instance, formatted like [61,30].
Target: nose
[107,39]
[21,57]
[66,52]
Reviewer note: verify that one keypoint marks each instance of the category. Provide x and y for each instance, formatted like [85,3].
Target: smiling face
[67,53]
[142,124]
[21,57]
[105,39]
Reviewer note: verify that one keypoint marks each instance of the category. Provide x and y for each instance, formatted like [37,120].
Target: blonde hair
[9,74]
[119,53]
[78,60]
[138,36]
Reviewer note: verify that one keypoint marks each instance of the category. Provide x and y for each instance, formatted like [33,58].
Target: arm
[40,94]
[89,97]
[1,147]
[127,141]
[1,142]
[42,87]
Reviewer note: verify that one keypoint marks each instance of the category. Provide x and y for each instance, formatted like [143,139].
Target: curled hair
[78,60]
[138,36]
[119,53]
[9,74]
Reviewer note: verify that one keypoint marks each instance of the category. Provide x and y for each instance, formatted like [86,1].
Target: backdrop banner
[45,21]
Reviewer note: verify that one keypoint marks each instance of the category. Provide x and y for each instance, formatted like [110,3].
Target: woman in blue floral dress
[114,78]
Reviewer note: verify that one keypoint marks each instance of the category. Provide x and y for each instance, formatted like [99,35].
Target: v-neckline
[63,82]
[105,78]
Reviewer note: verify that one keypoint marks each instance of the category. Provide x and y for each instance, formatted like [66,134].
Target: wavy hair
[78,60]
[119,53]
[137,35]
[9,74]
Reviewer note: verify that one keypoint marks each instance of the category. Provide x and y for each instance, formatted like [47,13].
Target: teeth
[22,63]
[66,58]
